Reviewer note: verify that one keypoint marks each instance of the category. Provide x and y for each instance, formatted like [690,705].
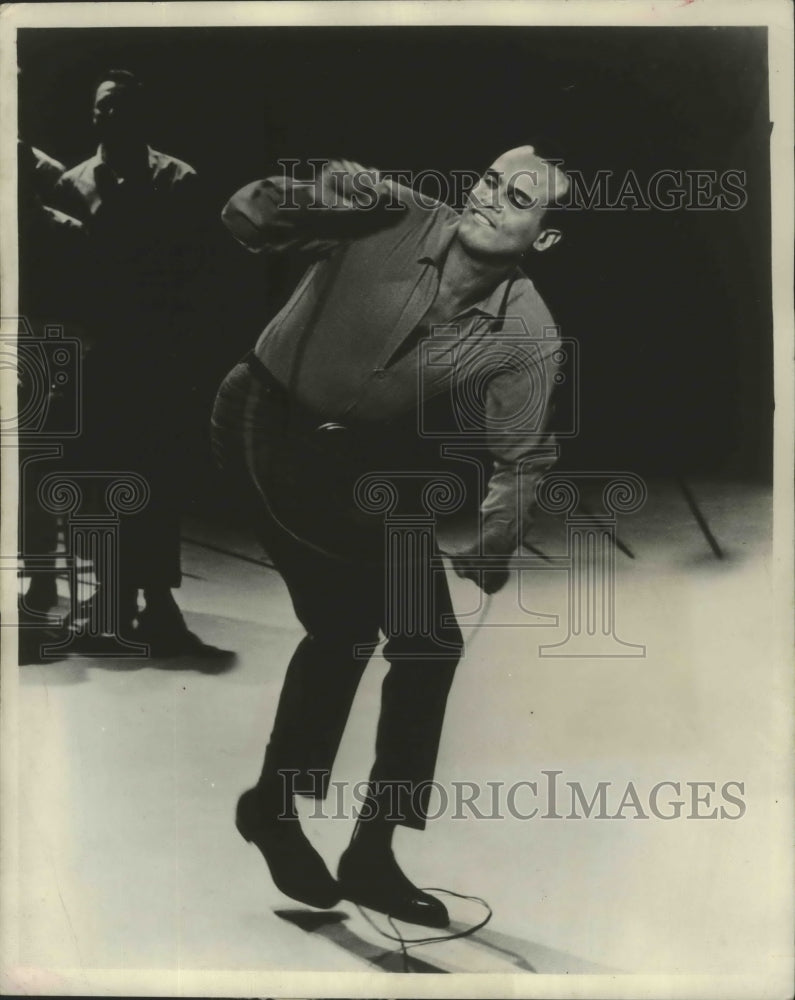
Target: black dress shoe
[42,594]
[92,616]
[295,866]
[168,639]
[376,881]
[33,641]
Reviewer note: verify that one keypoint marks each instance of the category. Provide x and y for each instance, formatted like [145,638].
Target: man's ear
[546,239]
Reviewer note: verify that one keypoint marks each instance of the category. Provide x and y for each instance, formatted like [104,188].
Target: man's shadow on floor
[525,956]
[332,926]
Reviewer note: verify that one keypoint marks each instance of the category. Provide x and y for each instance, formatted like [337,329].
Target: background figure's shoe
[33,637]
[375,880]
[42,592]
[295,866]
[96,612]
[171,637]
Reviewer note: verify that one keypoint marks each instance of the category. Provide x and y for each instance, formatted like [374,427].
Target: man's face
[504,215]
[117,112]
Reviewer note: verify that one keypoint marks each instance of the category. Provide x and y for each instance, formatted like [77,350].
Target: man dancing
[341,362]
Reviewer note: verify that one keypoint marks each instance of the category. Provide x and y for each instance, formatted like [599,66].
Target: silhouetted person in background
[143,217]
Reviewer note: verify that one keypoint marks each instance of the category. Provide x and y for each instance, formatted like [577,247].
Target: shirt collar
[101,160]
[434,252]
[437,243]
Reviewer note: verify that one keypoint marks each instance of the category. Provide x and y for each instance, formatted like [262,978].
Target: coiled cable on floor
[406,943]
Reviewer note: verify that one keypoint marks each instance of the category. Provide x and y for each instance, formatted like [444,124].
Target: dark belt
[302,421]
[262,373]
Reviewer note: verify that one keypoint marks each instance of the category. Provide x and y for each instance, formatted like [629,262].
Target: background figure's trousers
[132,424]
[341,604]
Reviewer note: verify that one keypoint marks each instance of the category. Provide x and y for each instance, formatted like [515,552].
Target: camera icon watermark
[521,369]
[49,385]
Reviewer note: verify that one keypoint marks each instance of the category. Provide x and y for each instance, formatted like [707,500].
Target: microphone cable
[406,943]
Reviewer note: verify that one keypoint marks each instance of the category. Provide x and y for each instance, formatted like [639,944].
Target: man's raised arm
[343,201]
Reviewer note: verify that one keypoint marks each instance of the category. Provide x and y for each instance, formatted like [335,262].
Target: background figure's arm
[65,198]
[344,202]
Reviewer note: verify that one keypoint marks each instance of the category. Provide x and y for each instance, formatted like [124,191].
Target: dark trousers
[132,415]
[39,527]
[341,602]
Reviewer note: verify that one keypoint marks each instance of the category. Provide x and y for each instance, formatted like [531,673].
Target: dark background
[672,310]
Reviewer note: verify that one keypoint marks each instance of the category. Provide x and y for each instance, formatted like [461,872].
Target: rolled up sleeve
[282,214]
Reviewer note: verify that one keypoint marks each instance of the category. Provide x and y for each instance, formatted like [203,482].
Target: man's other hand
[490,576]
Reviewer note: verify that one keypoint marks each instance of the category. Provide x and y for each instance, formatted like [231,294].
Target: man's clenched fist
[490,575]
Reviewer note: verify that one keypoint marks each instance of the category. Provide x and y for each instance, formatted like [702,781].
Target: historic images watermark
[669,189]
[548,795]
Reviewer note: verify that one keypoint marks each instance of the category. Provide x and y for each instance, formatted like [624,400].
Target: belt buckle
[330,426]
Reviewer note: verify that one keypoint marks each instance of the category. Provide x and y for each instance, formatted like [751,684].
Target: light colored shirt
[143,229]
[83,189]
[47,174]
[343,343]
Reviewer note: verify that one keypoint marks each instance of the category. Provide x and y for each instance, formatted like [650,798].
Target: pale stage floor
[129,771]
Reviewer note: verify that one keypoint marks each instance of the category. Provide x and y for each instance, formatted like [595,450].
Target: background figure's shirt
[142,230]
[337,342]
[52,248]
[87,187]
[48,172]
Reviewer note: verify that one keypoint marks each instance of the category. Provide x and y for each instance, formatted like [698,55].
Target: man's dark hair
[123,77]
